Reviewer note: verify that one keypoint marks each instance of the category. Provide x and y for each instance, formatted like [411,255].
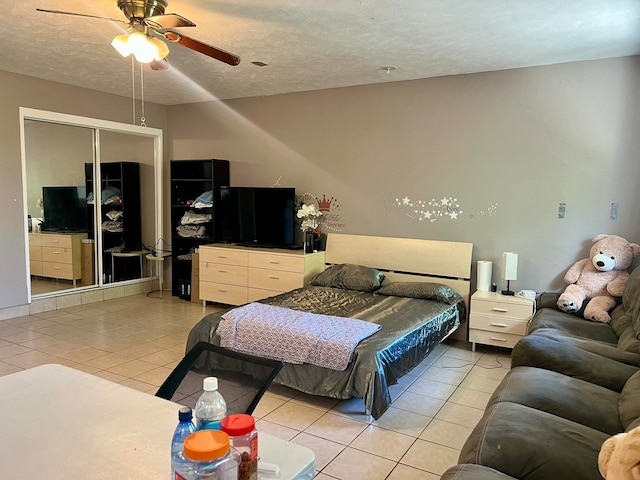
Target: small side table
[136,253]
[497,319]
[158,261]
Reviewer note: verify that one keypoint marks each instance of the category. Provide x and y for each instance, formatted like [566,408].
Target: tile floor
[136,341]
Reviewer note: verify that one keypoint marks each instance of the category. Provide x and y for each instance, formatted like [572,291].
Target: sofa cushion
[530,444]
[468,471]
[631,299]
[539,351]
[566,397]
[601,348]
[564,322]
[629,403]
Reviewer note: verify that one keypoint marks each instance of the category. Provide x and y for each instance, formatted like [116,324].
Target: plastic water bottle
[211,407]
[183,430]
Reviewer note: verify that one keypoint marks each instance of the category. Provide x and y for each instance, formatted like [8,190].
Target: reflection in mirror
[56,204]
[74,240]
[127,210]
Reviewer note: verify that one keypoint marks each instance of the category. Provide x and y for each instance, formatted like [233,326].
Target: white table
[60,423]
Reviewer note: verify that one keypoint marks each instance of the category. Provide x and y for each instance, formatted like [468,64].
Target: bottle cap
[206,445]
[238,424]
[210,384]
[185,414]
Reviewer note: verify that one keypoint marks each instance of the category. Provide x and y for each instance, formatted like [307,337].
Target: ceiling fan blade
[80,15]
[168,20]
[203,48]
[159,65]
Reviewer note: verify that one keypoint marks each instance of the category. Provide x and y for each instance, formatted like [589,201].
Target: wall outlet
[562,209]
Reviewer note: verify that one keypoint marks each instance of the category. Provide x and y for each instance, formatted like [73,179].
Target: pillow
[424,290]
[349,277]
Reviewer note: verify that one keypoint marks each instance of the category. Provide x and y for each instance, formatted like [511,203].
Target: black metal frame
[168,388]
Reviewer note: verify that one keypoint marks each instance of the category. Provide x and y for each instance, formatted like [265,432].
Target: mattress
[410,329]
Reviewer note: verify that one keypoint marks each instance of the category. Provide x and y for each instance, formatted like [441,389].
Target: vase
[308,242]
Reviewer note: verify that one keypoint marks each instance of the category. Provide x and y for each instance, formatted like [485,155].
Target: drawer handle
[222,271]
[222,291]
[221,256]
[499,339]
[502,325]
[504,310]
[272,262]
[273,277]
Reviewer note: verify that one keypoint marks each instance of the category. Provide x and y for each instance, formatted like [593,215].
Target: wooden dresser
[56,255]
[236,275]
[497,319]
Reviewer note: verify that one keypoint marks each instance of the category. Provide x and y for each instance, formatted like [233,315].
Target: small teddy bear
[619,457]
[599,278]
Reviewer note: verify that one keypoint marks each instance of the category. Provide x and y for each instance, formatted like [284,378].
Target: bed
[421,301]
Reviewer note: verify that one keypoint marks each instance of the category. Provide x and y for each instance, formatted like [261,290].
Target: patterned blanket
[293,336]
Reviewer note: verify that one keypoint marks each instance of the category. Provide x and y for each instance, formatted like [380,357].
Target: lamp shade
[144,47]
[509,266]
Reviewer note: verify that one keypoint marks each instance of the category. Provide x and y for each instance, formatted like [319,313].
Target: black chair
[242,379]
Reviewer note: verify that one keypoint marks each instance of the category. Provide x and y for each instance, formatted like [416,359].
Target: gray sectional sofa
[573,384]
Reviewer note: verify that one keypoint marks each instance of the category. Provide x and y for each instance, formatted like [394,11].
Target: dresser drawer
[502,309]
[221,273]
[256,294]
[493,338]
[61,241]
[57,270]
[277,262]
[496,324]
[35,239]
[221,293]
[274,280]
[57,255]
[226,256]
[35,267]
[35,252]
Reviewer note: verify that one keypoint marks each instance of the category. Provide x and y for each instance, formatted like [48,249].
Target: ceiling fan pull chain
[133,88]
[142,118]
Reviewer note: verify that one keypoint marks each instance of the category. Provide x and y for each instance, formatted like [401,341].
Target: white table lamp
[509,269]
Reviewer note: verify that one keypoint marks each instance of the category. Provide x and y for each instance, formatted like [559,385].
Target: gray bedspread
[411,328]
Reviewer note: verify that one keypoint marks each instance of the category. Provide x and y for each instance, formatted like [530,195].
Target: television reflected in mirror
[65,209]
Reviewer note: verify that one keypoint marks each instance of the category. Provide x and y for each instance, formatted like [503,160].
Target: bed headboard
[406,259]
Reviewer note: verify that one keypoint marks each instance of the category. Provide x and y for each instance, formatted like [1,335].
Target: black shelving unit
[189,180]
[125,177]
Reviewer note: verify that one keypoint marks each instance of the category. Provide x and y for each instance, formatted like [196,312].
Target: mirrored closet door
[92,200]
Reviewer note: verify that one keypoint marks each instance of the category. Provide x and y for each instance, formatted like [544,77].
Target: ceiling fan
[147,22]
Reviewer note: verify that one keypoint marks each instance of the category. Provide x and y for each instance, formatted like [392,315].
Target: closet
[120,217]
[195,192]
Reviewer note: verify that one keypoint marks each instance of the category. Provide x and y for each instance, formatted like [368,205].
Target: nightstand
[497,319]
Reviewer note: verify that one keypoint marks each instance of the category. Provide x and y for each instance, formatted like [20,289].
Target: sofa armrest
[469,471]
[547,300]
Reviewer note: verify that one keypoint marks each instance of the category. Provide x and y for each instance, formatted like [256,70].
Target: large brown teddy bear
[619,457]
[599,278]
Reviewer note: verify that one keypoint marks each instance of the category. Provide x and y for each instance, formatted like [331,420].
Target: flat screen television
[65,209]
[258,216]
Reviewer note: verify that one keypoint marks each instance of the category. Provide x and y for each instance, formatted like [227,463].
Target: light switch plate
[561,210]
[614,211]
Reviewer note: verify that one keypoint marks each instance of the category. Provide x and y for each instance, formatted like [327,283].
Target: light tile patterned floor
[136,341]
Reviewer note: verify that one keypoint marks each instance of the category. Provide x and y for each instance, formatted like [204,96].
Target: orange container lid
[206,445]
[238,424]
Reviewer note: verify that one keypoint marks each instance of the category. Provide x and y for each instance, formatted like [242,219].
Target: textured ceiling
[310,45]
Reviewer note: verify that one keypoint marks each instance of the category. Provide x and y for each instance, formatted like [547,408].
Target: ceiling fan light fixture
[145,48]
[121,44]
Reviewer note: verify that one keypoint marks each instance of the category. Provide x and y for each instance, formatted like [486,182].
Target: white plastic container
[206,456]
